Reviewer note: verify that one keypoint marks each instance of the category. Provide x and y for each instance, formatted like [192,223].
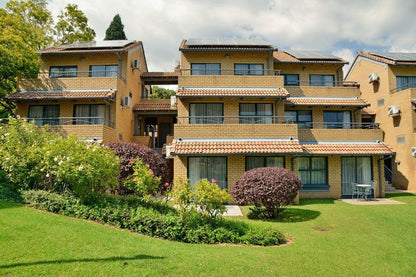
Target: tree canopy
[116,30]
[25,27]
[161,93]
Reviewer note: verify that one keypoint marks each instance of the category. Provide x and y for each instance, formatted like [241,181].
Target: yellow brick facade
[401,126]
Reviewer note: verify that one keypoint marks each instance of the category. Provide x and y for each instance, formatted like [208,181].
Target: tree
[116,30]
[161,93]
[72,26]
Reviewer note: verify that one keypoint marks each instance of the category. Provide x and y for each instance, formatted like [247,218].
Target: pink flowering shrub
[269,189]
[143,180]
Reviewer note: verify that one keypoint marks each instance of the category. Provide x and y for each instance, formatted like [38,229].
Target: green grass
[329,238]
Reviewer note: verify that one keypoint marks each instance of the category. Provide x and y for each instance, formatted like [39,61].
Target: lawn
[329,238]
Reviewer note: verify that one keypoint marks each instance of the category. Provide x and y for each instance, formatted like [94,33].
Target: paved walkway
[233,210]
[378,201]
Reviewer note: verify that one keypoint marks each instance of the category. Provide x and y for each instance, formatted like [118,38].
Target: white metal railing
[237,72]
[90,120]
[75,74]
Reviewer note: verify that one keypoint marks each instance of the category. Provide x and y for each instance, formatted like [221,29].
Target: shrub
[182,195]
[210,198]
[269,189]
[152,219]
[143,180]
[127,151]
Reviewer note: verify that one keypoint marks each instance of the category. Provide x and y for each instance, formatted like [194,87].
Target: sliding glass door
[355,170]
[208,168]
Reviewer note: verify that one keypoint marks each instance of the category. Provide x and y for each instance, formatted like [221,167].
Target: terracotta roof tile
[348,149]
[65,95]
[236,147]
[284,57]
[230,92]
[367,111]
[326,101]
[159,105]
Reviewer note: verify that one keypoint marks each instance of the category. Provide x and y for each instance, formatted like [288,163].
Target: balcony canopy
[347,148]
[232,92]
[326,101]
[107,94]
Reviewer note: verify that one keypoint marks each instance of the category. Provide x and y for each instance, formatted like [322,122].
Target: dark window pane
[291,79]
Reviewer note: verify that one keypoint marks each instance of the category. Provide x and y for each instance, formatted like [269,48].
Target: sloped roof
[91,46]
[63,95]
[154,105]
[232,92]
[306,57]
[326,101]
[194,44]
[339,148]
[368,111]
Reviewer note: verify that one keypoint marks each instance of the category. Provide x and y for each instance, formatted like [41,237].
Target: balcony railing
[251,72]
[65,121]
[403,87]
[273,120]
[321,84]
[75,74]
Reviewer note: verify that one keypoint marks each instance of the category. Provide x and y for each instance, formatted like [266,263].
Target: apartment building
[87,89]
[388,83]
[243,104]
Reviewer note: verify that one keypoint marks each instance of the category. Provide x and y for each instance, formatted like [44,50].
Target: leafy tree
[116,30]
[161,93]
[72,26]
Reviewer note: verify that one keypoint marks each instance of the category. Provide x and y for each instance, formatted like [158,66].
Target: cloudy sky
[334,26]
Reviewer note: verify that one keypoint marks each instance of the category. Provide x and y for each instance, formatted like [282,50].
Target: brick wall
[230,81]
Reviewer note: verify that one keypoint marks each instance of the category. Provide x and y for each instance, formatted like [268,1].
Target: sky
[341,28]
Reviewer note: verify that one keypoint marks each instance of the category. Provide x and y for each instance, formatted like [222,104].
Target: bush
[182,195]
[127,151]
[269,189]
[143,180]
[36,157]
[153,219]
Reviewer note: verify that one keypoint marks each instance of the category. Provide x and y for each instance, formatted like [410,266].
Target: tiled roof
[367,111]
[230,92]
[225,45]
[284,57]
[347,148]
[154,105]
[236,147]
[66,95]
[326,101]
[382,59]
[159,74]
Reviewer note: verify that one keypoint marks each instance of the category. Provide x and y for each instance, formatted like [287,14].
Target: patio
[377,201]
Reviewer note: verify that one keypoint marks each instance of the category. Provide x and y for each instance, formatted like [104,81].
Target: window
[256,113]
[337,119]
[380,102]
[63,71]
[208,168]
[248,69]
[313,171]
[401,139]
[355,170]
[89,114]
[302,118]
[103,70]
[205,69]
[206,113]
[291,79]
[322,80]
[255,162]
[44,114]
[405,82]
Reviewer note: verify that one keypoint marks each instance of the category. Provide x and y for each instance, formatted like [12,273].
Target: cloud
[338,27]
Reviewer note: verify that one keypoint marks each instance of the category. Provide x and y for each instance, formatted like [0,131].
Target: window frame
[341,123]
[205,103]
[264,161]
[90,120]
[205,70]
[240,117]
[302,124]
[248,70]
[104,71]
[311,186]
[408,84]
[44,117]
[286,83]
[322,82]
[226,167]
[61,73]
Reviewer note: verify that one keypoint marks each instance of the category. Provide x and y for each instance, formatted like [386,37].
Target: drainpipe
[380,177]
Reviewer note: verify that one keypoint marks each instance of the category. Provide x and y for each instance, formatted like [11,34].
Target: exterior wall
[305,69]
[314,91]
[46,83]
[230,81]
[404,176]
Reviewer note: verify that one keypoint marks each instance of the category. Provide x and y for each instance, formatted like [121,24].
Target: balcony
[337,89]
[227,78]
[81,80]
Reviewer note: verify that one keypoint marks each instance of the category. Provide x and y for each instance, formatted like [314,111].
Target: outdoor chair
[371,191]
[355,190]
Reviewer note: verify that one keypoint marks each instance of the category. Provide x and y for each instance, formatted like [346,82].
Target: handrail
[77,74]
[406,86]
[322,84]
[80,120]
[262,72]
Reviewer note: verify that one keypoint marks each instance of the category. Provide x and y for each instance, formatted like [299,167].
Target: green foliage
[210,198]
[161,93]
[72,26]
[116,30]
[205,195]
[142,180]
[36,157]
[182,194]
[152,220]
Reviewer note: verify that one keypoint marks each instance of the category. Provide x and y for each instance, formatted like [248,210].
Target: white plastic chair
[371,191]
[355,190]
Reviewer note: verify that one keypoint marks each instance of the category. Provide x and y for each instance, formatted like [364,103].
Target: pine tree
[116,30]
